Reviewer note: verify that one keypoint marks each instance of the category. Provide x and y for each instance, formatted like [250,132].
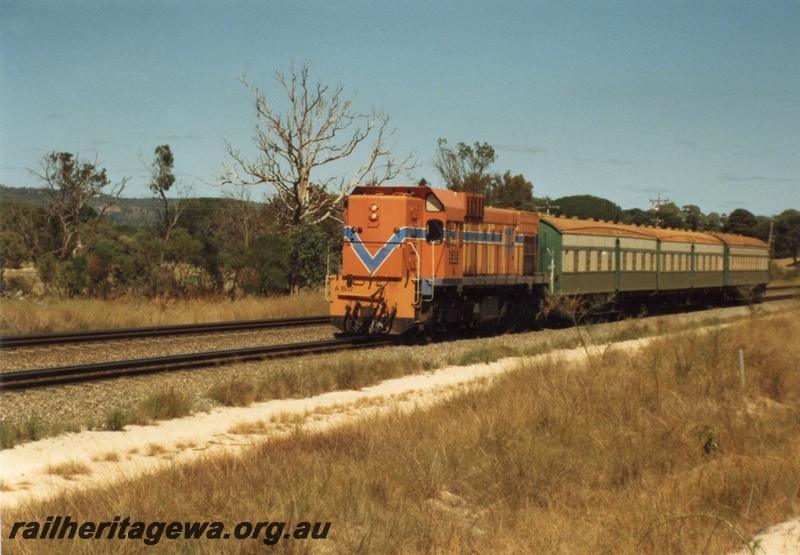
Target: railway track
[787,292]
[49,339]
[29,379]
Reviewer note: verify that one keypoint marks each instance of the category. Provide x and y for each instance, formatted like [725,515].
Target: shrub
[8,436]
[33,428]
[117,419]
[18,284]
[165,405]
[234,393]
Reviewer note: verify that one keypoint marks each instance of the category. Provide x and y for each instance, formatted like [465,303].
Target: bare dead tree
[71,185]
[320,129]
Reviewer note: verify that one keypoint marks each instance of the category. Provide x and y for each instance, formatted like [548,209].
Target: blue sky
[696,101]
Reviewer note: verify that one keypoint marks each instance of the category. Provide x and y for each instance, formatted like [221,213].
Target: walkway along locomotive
[431,260]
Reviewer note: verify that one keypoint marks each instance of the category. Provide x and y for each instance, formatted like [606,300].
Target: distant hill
[127,211]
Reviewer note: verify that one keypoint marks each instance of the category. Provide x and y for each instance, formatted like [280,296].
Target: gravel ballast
[87,405]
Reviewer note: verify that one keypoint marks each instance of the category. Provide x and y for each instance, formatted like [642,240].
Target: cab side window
[434,232]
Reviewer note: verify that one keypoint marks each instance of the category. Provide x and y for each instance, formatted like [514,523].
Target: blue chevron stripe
[373,263]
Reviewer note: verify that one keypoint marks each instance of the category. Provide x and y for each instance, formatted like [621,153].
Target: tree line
[235,246]
[783,230]
[468,168]
[202,246]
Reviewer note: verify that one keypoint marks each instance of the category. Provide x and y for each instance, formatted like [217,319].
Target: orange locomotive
[417,258]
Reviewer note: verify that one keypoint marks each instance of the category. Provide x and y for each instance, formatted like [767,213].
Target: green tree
[233,264]
[74,275]
[787,234]
[308,257]
[670,216]
[740,221]
[242,220]
[693,217]
[637,216]
[203,215]
[47,270]
[71,185]
[162,178]
[12,253]
[34,226]
[466,168]
[761,230]
[713,222]
[512,192]
[183,257]
[268,266]
[103,260]
[212,261]
[587,206]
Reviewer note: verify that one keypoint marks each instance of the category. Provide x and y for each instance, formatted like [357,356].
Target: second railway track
[29,379]
[50,339]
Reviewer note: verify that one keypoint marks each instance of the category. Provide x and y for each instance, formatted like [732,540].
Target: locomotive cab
[393,238]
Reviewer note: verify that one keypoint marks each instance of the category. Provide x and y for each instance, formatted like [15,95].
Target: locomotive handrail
[326,290]
[433,270]
[417,286]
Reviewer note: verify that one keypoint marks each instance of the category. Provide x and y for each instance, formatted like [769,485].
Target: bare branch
[320,129]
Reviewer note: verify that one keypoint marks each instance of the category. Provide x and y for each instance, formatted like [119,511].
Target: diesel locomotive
[431,260]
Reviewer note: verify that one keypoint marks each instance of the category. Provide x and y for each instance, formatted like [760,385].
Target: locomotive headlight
[373,208]
[373,217]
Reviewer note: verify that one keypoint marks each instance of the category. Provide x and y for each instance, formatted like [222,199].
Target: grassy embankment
[783,272]
[51,315]
[658,451]
[339,371]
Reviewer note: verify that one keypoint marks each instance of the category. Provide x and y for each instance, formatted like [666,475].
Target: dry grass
[338,371]
[69,470]
[48,315]
[155,449]
[110,456]
[163,405]
[663,451]
[784,272]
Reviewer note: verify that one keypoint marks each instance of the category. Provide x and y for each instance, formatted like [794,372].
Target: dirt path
[91,459]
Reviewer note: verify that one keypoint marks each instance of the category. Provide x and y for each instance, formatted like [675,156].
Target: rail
[29,379]
[85,336]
